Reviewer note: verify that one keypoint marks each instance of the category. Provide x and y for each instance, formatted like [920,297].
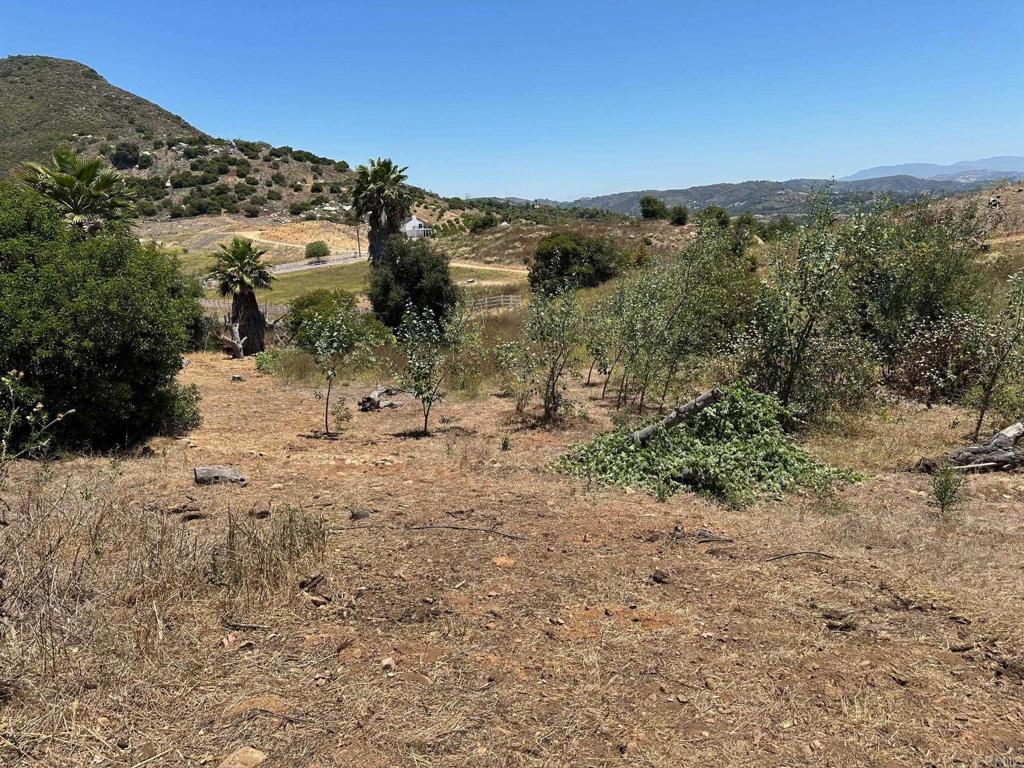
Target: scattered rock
[317,600]
[260,510]
[180,509]
[266,702]
[190,516]
[237,377]
[244,757]
[360,513]
[211,475]
[659,577]
[276,487]
[387,664]
[504,562]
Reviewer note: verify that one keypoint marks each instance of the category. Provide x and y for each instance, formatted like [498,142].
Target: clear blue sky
[565,99]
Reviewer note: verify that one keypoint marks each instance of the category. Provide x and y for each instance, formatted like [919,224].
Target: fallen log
[1000,454]
[375,400]
[679,414]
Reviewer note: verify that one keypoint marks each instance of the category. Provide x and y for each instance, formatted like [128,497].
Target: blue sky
[566,99]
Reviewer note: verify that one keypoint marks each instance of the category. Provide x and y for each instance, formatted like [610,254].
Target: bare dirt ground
[903,645]
[283,240]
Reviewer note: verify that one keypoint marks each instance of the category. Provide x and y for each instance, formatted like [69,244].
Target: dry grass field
[488,612]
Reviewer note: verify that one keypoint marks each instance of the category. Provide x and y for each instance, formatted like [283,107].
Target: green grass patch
[735,451]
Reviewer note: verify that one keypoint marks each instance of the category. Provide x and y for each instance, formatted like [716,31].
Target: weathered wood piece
[235,344]
[375,400]
[212,475]
[1000,454]
[679,414]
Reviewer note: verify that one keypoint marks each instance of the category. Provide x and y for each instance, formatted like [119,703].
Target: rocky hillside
[43,101]
[176,169]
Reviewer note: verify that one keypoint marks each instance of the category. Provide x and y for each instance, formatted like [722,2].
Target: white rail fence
[343,257]
[274,312]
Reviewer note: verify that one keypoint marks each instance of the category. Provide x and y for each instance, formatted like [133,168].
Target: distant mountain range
[775,198]
[968,171]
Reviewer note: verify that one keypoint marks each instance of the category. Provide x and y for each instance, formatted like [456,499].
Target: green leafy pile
[734,451]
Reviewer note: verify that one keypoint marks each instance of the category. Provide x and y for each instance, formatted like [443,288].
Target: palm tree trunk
[252,326]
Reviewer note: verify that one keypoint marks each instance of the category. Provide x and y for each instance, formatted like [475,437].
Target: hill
[176,169]
[44,101]
[984,169]
[773,198]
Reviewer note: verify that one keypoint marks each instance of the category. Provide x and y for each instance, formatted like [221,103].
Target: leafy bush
[572,260]
[145,161]
[412,273]
[97,324]
[652,208]
[266,361]
[801,344]
[478,222]
[318,250]
[679,215]
[125,155]
[181,413]
[305,307]
[735,451]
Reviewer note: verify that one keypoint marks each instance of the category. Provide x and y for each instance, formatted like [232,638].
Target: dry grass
[449,647]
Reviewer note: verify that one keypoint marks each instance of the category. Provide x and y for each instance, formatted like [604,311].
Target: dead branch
[801,552]
[679,414]
[516,536]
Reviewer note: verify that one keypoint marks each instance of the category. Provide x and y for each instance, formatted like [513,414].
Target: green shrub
[679,215]
[267,360]
[181,413]
[318,250]
[145,161]
[652,208]
[125,155]
[97,324]
[734,451]
[411,273]
[947,484]
[572,260]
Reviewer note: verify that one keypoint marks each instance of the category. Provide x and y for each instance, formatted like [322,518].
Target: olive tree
[435,350]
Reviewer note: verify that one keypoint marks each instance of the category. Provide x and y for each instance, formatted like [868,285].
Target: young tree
[88,193]
[239,272]
[317,251]
[411,272]
[380,195]
[340,338]
[554,331]
[1003,350]
[800,345]
[652,208]
[434,351]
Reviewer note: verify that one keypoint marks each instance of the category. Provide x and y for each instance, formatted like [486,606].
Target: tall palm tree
[380,194]
[239,272]
[87,191]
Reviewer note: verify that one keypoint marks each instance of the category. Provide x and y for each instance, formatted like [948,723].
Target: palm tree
[239,272]
[87,191]
[380,194]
